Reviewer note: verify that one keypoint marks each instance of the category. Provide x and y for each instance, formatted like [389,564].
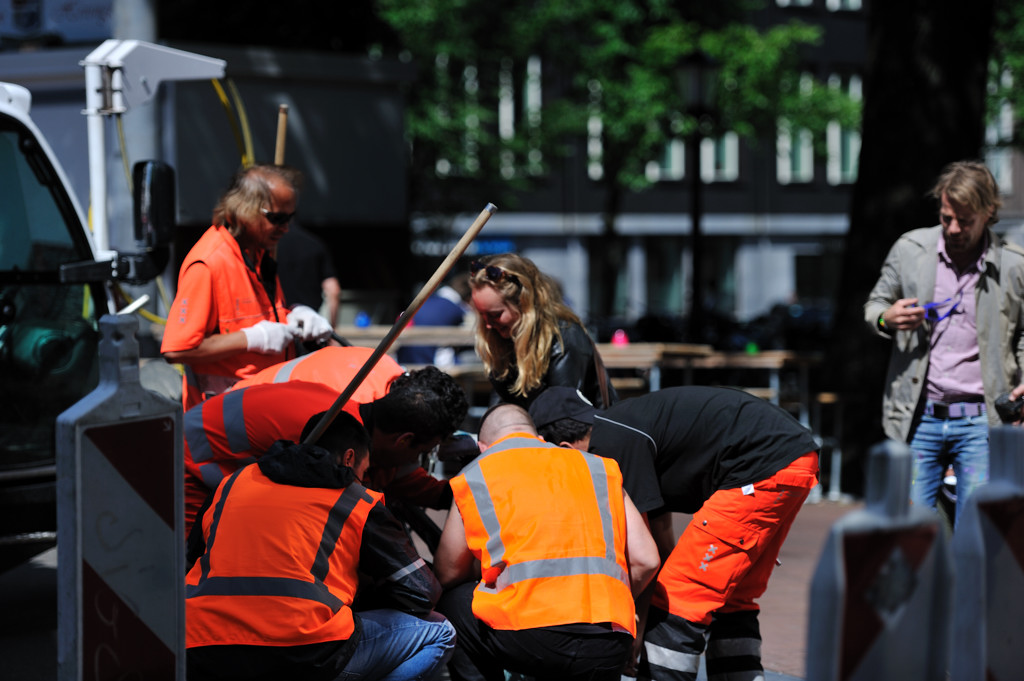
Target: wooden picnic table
[774,362]
[645,358]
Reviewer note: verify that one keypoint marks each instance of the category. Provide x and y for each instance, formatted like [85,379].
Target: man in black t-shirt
[742,466]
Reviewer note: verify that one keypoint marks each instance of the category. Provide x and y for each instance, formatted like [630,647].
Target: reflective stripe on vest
[280,586]
[234,426]
[550,567]
[285,372]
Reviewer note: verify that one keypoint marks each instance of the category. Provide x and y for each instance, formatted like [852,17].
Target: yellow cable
[124,153]
[249,156]
[146,314]
[232,119]
[162,290]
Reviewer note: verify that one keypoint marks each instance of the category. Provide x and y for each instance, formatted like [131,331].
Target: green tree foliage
[609,68]
[1006,68]
[617,59]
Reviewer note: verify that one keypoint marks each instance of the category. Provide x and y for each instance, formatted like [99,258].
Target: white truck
[56,282]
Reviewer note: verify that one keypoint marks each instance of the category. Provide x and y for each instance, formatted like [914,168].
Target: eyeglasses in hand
[931,310]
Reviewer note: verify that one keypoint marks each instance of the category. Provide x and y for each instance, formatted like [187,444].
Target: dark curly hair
[564,430]
[343,433]
[427,402]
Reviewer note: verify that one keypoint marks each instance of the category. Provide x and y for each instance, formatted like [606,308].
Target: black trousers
[573,652]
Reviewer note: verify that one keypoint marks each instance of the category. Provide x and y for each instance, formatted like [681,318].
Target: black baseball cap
[559,402]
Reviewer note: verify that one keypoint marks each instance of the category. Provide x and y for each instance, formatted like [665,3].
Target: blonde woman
[527,337]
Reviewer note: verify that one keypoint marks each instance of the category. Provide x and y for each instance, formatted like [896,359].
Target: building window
[843,5]
[506,116]
[671,165]
[720,158]
[470,140]
[532,91]
[998,136]
[843,143]
[530,114]
[595,147]
[794,161]
[794,3]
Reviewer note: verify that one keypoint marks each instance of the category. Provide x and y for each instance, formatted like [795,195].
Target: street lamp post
[697,77]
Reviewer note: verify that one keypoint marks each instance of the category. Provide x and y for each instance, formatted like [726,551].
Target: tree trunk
[924,103]
[607,257]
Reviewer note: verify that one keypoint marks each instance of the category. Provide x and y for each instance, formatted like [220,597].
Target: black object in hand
[1009,410]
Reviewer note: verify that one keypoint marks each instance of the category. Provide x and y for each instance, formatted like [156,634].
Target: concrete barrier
[881,593]
[120,541]
[988,552]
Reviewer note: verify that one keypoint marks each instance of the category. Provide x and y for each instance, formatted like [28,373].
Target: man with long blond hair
[527,337]
[229,319]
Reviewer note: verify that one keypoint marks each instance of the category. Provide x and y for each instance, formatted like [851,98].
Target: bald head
[502,420]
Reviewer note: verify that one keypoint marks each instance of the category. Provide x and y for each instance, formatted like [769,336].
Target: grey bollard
[120,517]
[880,596]
[988,551]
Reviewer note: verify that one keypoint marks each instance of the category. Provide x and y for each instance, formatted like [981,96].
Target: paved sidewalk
[785,604]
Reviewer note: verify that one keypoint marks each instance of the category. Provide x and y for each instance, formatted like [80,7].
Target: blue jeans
[400,647]
[937,444]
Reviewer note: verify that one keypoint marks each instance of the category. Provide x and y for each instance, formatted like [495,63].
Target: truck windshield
[48,330]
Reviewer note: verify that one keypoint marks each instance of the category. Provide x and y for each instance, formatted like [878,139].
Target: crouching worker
[288,542]
[743,467]
[563,553]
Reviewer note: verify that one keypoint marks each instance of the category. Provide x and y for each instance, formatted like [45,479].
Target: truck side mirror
[153,203]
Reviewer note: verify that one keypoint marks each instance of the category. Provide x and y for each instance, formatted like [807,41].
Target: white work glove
[306,324]
[268,338]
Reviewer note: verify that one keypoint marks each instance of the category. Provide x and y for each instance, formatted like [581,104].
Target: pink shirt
[954,369]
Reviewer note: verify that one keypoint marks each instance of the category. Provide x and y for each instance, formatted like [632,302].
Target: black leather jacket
[572,365]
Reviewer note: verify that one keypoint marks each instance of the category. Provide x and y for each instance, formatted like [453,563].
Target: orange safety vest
[241,302]
[548,525]
[333,366]
[233,429]
[280,568]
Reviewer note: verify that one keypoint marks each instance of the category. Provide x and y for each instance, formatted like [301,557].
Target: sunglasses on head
[277,218]
[493,273]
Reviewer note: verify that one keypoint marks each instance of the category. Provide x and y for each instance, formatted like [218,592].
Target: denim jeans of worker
[937,444]
[395,646]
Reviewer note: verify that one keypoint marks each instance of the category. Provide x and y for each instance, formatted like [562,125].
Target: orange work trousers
[726,554]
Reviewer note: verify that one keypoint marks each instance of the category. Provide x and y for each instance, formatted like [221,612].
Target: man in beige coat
[950,297]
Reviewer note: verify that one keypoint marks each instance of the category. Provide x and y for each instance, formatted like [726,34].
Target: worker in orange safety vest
[562,554]
[233,429]
[743,468]
[334,366]
[228,319]
[282,564]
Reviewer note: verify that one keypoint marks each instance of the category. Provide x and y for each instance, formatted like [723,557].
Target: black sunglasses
[277,218]
[493,273]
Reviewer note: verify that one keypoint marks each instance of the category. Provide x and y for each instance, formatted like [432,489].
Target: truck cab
[48,327]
